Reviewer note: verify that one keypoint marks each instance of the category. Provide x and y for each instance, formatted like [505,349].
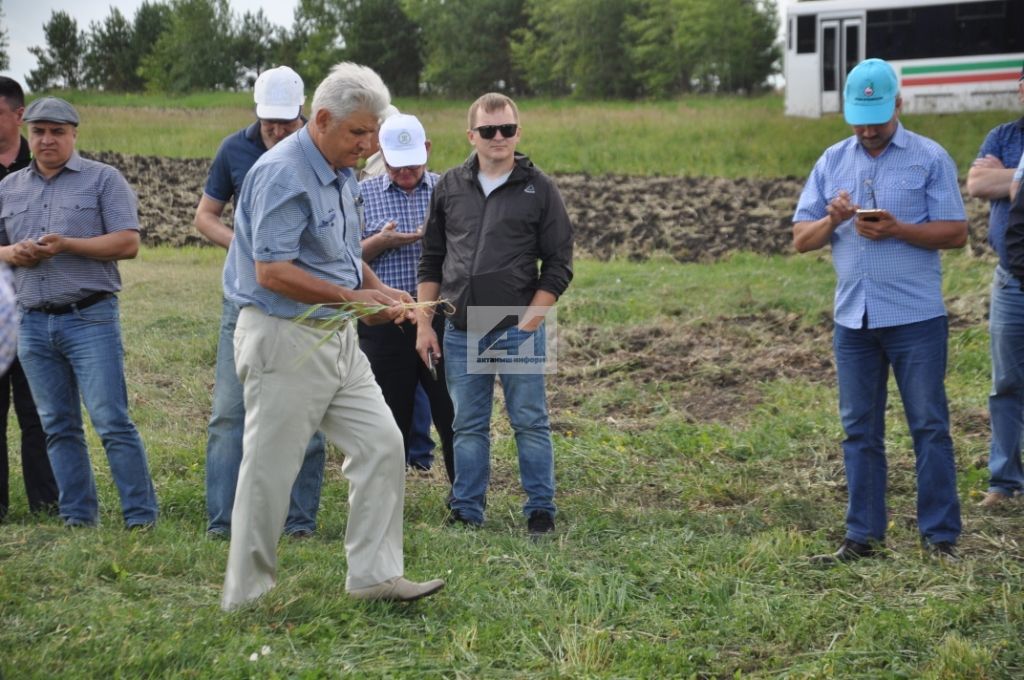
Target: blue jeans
[917,354]
[76,357]
[420,452]
[473,397]
[224,445]
[1006,401]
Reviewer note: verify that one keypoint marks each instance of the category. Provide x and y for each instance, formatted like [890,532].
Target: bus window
[806,29]
[828,58]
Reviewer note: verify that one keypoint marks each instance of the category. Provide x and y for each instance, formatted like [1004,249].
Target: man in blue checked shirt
[396,205]
[887,200]
[64,223]
[296,245]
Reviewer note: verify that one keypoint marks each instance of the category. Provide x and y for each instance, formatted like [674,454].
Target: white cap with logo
[403,141]
[279,94]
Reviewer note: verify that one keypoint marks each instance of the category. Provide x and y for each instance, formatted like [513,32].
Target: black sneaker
[849,551]
[944,551]
[456,518]
[540,522]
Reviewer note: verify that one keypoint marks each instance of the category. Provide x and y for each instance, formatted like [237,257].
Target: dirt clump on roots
[691,219]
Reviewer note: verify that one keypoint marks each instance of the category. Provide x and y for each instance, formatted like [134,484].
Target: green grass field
[697,454]
[682,541]
[698,136]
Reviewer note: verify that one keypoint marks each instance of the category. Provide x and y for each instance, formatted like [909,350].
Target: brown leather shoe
[994,499]
[398,589]
[849,551]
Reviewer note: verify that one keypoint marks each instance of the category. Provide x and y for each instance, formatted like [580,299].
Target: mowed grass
[681,549]
[726,136]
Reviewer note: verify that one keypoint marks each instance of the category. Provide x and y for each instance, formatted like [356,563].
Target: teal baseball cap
[870,94]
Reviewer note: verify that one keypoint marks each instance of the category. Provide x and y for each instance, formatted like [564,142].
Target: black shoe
[300,534]
[849,551]
[540,522]
[944,551]
[456,518]
[218,535]
[140,527]
[72,523]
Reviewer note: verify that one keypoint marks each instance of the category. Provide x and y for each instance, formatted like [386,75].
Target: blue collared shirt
[85,199]
[891,281]
[1005,142]
[294,207]
[385,201]
[236,155]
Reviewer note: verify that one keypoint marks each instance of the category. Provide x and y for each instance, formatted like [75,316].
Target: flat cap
[52,109]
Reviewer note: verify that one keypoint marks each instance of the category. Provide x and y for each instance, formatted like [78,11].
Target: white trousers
[294,384]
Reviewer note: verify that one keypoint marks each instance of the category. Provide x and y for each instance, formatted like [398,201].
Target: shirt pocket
[847,183]
[79,216]
[328,236]
[14,219]
[905,192]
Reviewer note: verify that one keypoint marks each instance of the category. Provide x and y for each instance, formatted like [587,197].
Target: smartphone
[432,363]
[873,215]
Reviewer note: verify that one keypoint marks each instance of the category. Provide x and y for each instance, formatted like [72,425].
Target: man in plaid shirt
[395,207]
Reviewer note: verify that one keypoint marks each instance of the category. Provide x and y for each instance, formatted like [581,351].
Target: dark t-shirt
[22,161]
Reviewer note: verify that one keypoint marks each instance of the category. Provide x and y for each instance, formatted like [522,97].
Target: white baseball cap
[403,141]
[279,94]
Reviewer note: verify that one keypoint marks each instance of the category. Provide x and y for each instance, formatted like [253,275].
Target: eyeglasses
[508,130]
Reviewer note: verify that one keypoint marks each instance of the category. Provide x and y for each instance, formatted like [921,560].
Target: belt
[87,301]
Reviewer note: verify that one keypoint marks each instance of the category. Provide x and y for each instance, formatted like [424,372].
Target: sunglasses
[508,130]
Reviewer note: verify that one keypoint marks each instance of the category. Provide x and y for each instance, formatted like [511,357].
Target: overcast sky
[24,21]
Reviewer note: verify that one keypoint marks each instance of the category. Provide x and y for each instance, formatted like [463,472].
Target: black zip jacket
[500,249]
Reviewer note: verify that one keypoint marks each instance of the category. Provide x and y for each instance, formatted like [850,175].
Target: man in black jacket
[492,220]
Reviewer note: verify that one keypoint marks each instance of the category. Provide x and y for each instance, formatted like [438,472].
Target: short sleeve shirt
[294,207]
[84,200]
[383,202]
[234,158]
[891,282]
[1005,142]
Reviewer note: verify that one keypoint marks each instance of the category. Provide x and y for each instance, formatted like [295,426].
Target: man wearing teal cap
[887,201]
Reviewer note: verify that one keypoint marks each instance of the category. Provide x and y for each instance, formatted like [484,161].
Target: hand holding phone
[432,363]
[872,215]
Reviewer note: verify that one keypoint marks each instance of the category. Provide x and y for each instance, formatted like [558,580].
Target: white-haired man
[296,244]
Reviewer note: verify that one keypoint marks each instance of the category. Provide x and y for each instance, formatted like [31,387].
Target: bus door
[842,48]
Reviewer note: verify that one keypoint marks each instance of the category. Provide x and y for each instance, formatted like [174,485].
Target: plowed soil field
[692,219]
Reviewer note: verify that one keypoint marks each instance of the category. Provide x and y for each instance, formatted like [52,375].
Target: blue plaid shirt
[384,202]
[85,199]
[294,207]
[891,281]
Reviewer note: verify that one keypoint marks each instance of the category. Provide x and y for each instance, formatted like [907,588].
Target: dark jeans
[40,486]
[916,353]
[398,369]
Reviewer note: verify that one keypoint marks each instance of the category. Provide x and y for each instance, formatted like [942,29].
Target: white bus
[949,55]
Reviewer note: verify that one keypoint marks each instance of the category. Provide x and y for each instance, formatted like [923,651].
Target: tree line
[584,48]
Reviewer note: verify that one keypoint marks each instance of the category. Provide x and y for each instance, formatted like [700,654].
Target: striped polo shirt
[85,199]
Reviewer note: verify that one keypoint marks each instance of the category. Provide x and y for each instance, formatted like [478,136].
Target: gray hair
[349,88]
